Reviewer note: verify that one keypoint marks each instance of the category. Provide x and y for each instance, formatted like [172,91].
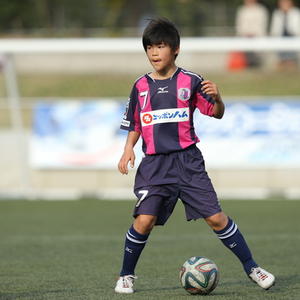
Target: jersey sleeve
[203,101]
[131,120]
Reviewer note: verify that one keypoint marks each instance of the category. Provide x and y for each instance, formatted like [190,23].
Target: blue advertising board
[86,134]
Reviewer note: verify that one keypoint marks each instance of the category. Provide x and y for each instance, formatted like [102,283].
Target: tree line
[114,17]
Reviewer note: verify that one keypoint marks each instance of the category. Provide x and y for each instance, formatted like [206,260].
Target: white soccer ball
[199,275]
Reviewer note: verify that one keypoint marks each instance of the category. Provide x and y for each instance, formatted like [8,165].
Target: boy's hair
[159,31]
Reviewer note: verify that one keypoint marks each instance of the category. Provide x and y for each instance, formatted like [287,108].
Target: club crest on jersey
[184,94]
[165,116]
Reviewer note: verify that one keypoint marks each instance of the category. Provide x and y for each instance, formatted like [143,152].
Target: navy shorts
[162,179]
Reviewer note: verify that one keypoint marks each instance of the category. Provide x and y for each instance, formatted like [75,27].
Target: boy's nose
[154,52]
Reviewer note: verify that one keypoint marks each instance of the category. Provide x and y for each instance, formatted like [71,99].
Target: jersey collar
[170,78]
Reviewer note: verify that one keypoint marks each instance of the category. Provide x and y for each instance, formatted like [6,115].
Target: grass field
[246,83]
[73,250]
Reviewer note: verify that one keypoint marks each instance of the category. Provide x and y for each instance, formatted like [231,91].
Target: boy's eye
[161,46]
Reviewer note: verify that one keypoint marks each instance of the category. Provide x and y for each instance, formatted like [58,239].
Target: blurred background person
[251,21]
[286,23]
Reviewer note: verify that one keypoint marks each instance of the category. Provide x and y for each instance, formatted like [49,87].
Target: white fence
[133,45]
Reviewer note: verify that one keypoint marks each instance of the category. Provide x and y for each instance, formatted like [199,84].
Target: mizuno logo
[165,116]
[128,250]
[232,245]
[162,90]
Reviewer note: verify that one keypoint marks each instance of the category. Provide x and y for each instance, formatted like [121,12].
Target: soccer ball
[199,275]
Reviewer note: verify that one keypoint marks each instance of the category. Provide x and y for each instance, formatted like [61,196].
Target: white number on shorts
[144,193]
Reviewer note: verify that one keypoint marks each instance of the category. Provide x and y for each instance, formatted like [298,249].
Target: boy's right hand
[128,156]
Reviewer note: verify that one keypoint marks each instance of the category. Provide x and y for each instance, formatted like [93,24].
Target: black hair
[159,31]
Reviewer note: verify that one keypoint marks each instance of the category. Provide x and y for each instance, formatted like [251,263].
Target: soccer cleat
[125,284]
[263,278]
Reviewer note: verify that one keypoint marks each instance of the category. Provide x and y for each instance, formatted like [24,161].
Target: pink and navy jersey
[162,111]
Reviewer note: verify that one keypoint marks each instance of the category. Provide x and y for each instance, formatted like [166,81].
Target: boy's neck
[164,74]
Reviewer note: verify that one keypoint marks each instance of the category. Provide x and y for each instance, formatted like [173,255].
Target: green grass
[73,250]
[258,83]
[246,83]
[60,85]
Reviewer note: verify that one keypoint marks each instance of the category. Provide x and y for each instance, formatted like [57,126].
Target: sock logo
[232,245]
[128,250]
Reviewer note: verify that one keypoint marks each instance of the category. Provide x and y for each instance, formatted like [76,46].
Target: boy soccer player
[160,109]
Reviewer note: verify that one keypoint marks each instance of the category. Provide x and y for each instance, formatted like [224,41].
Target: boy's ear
[176,52]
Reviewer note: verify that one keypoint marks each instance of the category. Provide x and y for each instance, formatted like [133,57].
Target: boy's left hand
[211,89]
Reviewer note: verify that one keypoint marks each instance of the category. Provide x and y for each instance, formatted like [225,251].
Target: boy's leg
[135,241]
[155,205]
[200,200]
[229,234]
[136,238]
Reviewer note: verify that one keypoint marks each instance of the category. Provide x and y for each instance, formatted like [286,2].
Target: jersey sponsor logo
[125,123]
[165,116]
[162,90]
[147,118]
[184,94]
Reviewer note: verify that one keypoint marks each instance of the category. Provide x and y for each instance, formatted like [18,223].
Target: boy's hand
[128,156]
[211,89]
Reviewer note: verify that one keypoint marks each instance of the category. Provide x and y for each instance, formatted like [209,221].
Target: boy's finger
[206,86]
[120,167]
[125,170]
[208,91]
[123,167]
[205,81]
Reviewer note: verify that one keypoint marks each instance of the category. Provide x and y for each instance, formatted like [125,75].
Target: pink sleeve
[204,103]
[131,120]
[137,120]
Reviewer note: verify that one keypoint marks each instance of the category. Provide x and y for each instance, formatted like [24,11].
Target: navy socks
[134,245]
[231,237]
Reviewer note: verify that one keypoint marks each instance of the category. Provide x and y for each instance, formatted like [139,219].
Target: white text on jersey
[165,116]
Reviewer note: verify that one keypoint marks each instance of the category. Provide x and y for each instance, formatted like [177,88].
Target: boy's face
[161,57]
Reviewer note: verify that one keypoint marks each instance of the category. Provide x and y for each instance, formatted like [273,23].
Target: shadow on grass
[282,285]
[159,289]
[214,293]
[287,282]
[34,294]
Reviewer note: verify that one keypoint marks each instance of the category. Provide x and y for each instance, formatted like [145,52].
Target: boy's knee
[217,221]
[143,224]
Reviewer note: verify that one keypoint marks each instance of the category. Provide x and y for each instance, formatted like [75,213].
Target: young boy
[160,109]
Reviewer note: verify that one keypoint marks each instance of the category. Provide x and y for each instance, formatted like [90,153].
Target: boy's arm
[211,89]
[128,154]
